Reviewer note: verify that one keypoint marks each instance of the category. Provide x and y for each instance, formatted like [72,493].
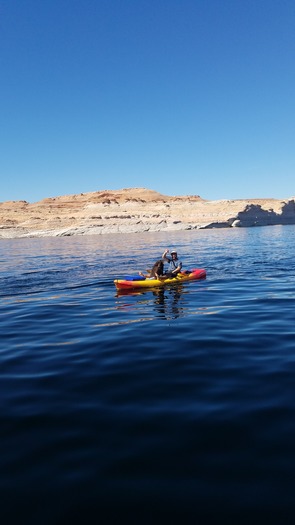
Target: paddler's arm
[164,256]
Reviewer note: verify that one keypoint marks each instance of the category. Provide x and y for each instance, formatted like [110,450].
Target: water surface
[168,405]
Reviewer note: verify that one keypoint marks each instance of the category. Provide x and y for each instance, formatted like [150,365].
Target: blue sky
[180,96]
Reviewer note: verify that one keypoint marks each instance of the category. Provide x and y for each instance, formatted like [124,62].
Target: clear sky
[179,96]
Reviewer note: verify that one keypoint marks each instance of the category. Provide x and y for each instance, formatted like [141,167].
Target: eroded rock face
[135,210]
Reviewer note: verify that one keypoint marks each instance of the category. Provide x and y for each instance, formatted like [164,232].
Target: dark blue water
[175,405]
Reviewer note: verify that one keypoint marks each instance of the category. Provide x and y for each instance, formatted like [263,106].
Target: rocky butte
[136,210]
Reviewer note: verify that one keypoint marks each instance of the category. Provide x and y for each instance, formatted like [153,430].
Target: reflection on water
[166,303]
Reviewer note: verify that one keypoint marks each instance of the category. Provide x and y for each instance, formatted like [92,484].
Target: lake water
[176,405]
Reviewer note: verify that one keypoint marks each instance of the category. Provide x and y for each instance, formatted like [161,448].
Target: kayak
[138,282]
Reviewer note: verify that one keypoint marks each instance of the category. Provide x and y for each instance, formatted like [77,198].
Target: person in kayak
[156,272]
[175,264]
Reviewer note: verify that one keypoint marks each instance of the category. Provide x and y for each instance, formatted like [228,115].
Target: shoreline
[136,210]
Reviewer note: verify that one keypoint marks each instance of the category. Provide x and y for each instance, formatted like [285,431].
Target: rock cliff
[136,210]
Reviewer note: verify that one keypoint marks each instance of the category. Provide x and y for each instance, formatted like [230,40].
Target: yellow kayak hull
[129,284]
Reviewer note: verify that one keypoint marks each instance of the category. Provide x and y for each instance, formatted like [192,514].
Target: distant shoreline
[135,210]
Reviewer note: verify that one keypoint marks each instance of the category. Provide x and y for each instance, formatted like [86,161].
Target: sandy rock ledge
[135,210]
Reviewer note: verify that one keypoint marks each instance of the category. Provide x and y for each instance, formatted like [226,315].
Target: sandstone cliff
[135,210]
